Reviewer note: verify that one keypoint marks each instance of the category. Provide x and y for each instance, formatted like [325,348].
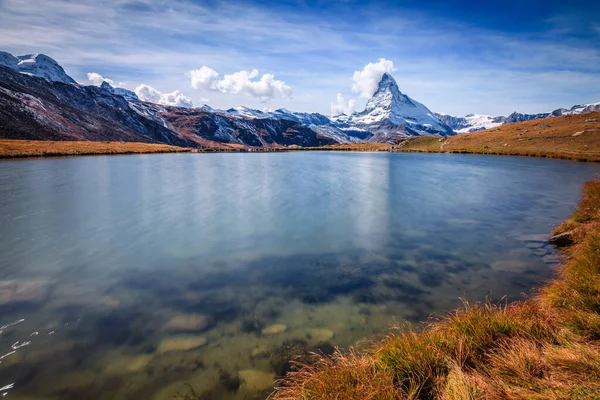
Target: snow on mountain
[390,114]
[39,65]
[474,122]
[127,94]
[471,122]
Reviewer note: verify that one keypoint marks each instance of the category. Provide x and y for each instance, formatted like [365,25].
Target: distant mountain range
[474,122]
[38,100]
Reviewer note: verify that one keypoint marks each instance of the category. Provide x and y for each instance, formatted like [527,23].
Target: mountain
[390,115]
[37,65]
[36,108]
[202,125]
[473,122]
[127,94]
[38,100]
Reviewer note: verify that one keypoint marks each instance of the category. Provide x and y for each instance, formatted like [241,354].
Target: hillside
[572,136]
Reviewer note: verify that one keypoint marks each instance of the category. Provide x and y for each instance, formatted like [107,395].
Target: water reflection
[154,276]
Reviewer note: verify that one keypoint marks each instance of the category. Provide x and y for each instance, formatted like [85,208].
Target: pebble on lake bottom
[509,265]
[274,329]
[187,323]
[321,334]
[180,343]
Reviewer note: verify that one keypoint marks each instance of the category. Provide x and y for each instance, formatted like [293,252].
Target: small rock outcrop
[562,240]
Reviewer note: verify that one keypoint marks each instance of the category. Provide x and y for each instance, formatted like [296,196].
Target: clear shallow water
[98,254]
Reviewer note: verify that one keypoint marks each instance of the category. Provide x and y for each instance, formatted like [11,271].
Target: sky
[456,57]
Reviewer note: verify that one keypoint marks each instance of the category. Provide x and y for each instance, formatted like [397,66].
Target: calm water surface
[111,266]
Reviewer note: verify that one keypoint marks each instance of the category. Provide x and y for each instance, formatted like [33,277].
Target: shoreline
[547,346]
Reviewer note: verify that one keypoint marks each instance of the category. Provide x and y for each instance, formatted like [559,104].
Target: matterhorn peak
[391,112]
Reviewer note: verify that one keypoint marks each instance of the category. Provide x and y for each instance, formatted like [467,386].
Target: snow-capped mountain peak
[39,65]
[392,112]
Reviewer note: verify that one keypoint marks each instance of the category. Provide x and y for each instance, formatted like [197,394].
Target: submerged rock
[22,292]
[180,343]
[274,329]
[321,334]
[562,240]
[259,352]
[541,252]
[128,363]
[187,323]
[256,380]
[282,356]
[551,259]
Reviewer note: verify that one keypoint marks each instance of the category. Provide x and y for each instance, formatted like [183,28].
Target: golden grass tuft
[547,347]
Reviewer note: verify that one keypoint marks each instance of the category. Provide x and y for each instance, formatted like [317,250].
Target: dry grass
[354,147]
[40,148]
[575,137]
[547,347]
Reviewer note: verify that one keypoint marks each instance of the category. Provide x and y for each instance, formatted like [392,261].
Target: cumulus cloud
[96,79]
[242,82]
[340,106]
[366,80]
[176,98]
[204,78]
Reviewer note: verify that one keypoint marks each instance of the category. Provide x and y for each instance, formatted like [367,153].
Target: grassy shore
[41,148]
[574,137]
[547,347]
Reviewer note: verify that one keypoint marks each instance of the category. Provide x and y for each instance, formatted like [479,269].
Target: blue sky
[456,57]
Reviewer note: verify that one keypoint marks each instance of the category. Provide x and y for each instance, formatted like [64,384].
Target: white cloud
[176,98]
[366,80]
[341,106]
[96,79]
[204,78]
[241,82]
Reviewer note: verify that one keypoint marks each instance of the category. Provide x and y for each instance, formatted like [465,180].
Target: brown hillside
[572,136]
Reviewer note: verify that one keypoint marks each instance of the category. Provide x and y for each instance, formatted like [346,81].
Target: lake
[200,275]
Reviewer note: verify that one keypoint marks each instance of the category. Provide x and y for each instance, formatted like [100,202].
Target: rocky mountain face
[200,125]
[127,94]
[35,108]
